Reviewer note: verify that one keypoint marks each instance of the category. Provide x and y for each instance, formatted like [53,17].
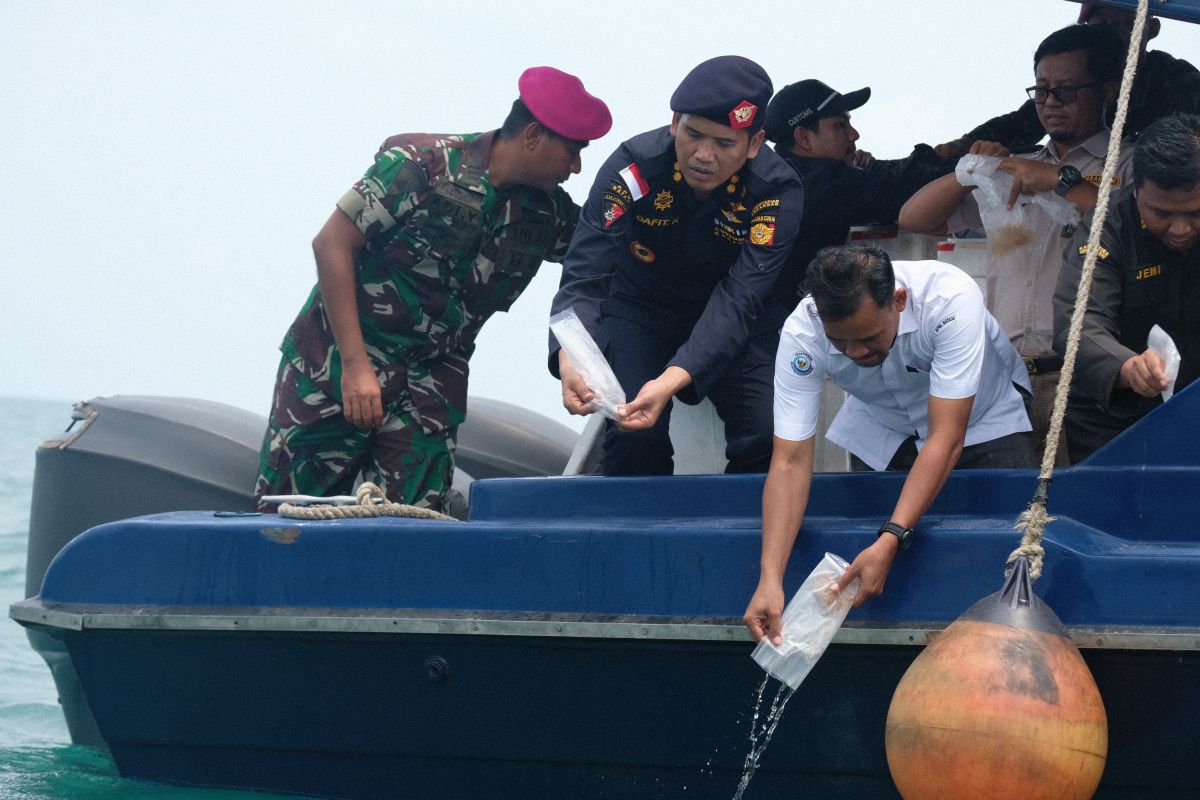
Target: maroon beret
[559,101]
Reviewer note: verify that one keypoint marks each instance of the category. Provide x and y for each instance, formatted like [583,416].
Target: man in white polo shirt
[933,384]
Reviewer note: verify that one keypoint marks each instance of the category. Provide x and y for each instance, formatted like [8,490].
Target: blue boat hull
[581,636]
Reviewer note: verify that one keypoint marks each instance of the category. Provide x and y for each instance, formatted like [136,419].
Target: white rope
[1032,521]
[371,502]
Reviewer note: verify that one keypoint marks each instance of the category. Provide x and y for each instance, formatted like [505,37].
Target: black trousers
[1014,451]
[743,399]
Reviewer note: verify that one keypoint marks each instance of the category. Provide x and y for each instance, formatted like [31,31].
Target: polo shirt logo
[802,364]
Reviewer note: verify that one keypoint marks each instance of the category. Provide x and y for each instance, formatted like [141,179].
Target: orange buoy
[1000,704]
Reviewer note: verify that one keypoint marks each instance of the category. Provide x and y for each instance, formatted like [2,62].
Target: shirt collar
[1095,145]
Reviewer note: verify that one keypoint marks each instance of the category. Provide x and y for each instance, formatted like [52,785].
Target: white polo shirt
[947,346]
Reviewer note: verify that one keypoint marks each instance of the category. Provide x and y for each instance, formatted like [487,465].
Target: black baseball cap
[805,100]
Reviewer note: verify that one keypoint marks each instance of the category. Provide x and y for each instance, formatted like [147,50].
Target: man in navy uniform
[672,265]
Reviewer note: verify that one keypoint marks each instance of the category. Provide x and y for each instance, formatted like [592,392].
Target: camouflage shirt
[444,251]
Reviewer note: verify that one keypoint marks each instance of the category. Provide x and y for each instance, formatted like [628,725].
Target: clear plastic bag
[1008,228]
[589,362]
[1160,342]
[809,622]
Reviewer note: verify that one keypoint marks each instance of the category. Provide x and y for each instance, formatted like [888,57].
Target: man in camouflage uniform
[439,234]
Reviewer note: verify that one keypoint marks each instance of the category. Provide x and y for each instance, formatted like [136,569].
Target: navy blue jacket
[697,273]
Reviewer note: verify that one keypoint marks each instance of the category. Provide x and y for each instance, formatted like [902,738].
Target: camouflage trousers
[311,448]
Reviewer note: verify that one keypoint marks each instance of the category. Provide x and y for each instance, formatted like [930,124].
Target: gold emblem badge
[761,233]
[663,200]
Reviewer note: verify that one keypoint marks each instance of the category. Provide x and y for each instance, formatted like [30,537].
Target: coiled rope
[370,502]
[1032,521]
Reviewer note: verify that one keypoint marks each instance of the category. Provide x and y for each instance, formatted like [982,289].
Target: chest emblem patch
[642,253]
[663,200]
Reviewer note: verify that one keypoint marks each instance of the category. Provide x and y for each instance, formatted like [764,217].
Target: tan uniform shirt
[1020,283]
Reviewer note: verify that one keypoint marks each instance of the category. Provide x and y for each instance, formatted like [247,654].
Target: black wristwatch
[1068,176]
[905,535]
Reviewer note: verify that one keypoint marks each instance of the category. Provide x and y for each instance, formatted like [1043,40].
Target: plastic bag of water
[589,362]
[809,622]
[1161,342]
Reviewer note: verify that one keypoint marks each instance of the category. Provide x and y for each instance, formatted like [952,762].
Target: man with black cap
[677,252]
[439,234]
[810,124]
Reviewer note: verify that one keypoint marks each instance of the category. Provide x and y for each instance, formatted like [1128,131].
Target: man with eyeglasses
[1076,70]
[1163,85]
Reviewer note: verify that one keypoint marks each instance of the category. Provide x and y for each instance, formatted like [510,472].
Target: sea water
[37,759]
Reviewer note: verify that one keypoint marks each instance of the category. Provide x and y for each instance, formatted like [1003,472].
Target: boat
[572,635]
[581,636]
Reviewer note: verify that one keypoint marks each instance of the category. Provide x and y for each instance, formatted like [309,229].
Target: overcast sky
[166,164]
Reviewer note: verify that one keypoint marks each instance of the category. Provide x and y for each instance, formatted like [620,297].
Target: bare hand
[871,567]
[362,401]
[983,148]
[863,159]
[577,397]
[648,406]
[763,615]
[1145,374]
[645,409]
[1029,177]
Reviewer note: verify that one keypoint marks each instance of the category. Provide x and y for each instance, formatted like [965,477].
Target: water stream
[760,735]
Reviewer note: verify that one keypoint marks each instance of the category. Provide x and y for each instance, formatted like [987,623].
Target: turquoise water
[37,759]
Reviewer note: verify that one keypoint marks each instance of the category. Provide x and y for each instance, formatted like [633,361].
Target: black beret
[731,90]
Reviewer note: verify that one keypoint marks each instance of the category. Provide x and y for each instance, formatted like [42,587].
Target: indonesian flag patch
[635,182]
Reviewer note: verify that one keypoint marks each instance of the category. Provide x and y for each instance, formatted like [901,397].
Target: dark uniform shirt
[1138,282]
[694,272]
[1164,85]
[838,196]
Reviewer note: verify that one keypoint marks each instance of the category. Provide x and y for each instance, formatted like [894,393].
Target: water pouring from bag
[809,622]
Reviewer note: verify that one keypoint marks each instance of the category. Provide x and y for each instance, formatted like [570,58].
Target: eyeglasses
[1063,94]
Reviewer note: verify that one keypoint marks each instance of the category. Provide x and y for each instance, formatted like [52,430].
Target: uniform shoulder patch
[410,179]
[1101,252]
